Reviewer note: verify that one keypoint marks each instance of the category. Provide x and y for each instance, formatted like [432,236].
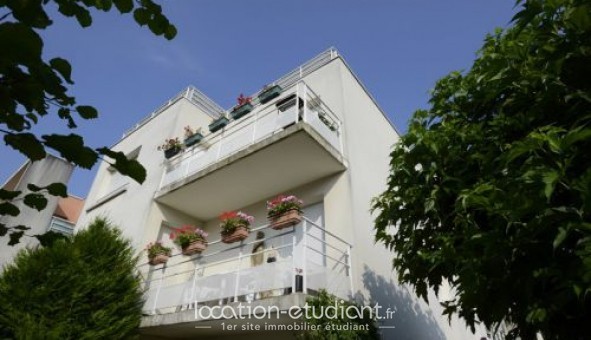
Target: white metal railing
[211,108]
[295,104]
[307,258]
[60,225]
[194,96]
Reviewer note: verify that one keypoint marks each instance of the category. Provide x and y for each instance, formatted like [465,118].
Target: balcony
[307,258]
[290,141]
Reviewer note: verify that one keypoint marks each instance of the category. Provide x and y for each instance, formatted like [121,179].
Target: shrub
[85,287]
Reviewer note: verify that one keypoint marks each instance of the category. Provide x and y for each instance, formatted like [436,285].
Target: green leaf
[104,5]
[54,189]
[15,237]
[124,6]
[27,144]
[87,112]
[3,230]
[83,17]
[35,201]
[7,195]
[20,44]
[141,16]
[63,67]
[550,179]
[7,208]
[128,167]
[57,189]
[72,148]
[30,13]
[170,32]
[560,237]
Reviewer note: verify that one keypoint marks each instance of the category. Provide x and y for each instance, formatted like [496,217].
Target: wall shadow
[409,320]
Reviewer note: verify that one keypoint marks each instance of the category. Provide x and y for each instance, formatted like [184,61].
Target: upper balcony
[290,141]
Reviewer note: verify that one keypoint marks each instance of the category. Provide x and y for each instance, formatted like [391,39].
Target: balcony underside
[188,325]
[288,159]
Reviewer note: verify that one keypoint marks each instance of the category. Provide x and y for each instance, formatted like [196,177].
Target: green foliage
[79,288]
[157,248]
[326,330]
[31,87]
[490,189]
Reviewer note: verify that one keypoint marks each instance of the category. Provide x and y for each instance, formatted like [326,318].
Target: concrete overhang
[288,159]
[189,325]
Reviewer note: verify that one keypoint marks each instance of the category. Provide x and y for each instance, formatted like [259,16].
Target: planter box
[194,139]
[241,110]
[218,124]
[159,259]
[269,93]
[171,152]
[288,219]
[239,234]
[194,248]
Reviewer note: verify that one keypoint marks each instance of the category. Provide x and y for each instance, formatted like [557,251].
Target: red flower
[228,215]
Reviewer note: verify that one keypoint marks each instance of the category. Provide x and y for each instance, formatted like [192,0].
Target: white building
[323,139]
[60,214]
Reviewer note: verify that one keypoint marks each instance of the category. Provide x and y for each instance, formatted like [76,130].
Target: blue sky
[398,48]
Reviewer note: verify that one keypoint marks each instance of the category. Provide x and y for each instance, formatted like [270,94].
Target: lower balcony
[184,297]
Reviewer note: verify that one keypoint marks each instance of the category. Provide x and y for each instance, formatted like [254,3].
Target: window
[115,180]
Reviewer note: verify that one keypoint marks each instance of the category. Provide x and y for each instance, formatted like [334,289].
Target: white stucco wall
[41,173]
[369,138]
[134,210]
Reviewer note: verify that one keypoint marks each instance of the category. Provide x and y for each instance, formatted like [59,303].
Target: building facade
[320,137]
[61,213]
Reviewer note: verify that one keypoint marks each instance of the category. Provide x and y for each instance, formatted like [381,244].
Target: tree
[334,322]
[31,88]
[83,288]
[490,189]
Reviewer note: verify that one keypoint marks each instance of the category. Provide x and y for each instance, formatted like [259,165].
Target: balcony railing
[297,103]
[307,258]
[61,226]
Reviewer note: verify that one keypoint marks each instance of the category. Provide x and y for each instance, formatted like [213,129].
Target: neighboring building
[323,139]
[60,214]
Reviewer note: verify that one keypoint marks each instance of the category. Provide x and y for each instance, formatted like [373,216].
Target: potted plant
[269,92]
[192,240]
[171,147]
[284,211]
[192,137]
[157,253]
[218,124]
[235,226]
[244,106]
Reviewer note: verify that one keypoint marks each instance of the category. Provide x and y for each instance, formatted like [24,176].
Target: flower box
[169,153]
[269,93]
[157,253]
[239,234]
[195,247]
[194,139]
[287,219]
[218,124]
[159,259]
[241,110]
[192,240]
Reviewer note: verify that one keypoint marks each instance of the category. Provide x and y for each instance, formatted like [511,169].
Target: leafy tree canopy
[334,323]
[32,88]
[490,189]
[82,288]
